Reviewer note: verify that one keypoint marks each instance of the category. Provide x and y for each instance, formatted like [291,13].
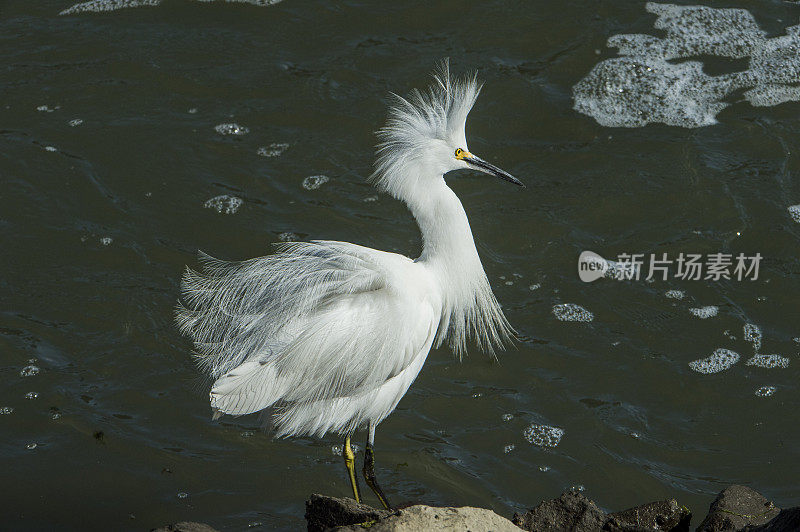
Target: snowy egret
[330,335]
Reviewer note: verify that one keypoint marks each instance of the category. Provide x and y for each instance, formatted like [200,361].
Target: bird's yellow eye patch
[460,154]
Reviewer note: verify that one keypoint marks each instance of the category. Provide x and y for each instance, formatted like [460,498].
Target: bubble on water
[675,294]
[508,417]
[572,312]
[224,204]
[273,150]
[288,236]
[75,122]
[752,333]
[29,371]
[31,446]
[579,487]
[645,84]
[508,448]
[635,435]
[544,468]
[247,434]
[231,129]
[768,361]
[720,360]
[47,109]
[182,495]
[765,391]
[55,414]
[313,182]
[50,148]
[6,410]
[336,450]
[370,199]
[192,111]
[534,287]
[106,240]
[31,395]
[254,524]
[709,311]
[543,435]
[794,212]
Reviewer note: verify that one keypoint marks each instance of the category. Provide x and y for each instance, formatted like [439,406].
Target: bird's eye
[459,151]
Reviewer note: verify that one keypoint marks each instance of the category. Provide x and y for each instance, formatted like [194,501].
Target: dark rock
[735,508]
[185,526]
[324,513]
[572,511]
[661,515]
[785,521]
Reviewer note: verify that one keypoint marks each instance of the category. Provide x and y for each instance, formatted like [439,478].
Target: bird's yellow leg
[350,463]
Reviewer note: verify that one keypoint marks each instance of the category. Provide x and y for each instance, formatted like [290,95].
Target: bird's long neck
[446,236]
[468,306]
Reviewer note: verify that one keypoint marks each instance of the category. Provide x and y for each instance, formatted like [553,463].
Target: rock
[185,526]
[785,521]
[661,515]
[331,513]
[421,517]
[325,513]
[572,511]
[735,508]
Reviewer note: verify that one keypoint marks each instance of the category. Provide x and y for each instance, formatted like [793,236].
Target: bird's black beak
[479,164]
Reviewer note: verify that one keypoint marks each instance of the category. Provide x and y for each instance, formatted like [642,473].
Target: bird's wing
[314,321]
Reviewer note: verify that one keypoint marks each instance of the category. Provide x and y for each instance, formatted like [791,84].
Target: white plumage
[330,335]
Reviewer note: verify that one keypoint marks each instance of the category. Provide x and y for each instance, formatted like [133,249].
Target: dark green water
[133,445]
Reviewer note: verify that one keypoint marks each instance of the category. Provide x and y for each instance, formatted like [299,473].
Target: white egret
[330,335]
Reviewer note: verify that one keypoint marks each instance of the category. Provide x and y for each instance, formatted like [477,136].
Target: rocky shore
[736,508]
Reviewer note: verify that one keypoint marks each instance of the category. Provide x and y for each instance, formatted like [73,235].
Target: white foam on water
[75,122]
[50,148]
[288,236]
[794,212]
[508,417]
[534,287]
[31,446]
[646,84]
[46,109]
[508,448]
[765,391]
[370,199]
[572,312]
[6,410]
[675,294]
[752,333]
[106,240]
[709,311]
[31,395]
[543,435]
[182,495]
[769,361]
[224,204]
[231,129]
[273,150]
[100,6]
[313,182]
[720,360]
